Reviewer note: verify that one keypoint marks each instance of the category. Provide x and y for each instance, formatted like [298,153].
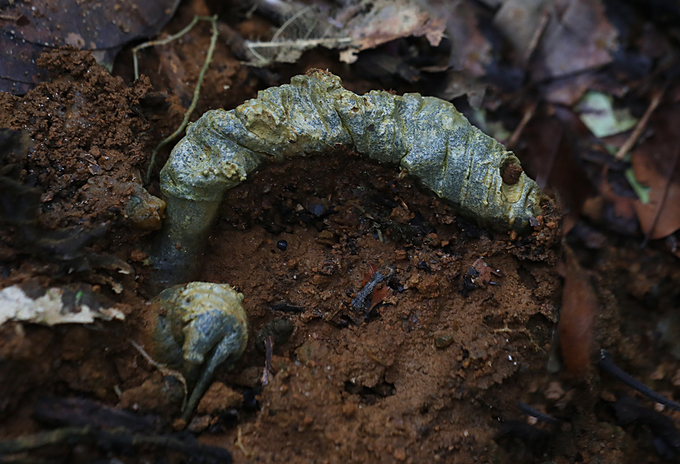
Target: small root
[197,89]
[165,370]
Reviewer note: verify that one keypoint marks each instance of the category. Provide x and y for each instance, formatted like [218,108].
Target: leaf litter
[34,27]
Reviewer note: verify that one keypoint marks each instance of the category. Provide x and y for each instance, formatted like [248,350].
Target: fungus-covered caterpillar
[425,136]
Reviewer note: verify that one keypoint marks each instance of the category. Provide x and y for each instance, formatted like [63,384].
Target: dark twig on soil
[528,410]
[612,369]
[80,412]
[635,135]
[269,349]
[197,89]
[538,33]
[359,302]
[666,438]
[111,438]
[526,117]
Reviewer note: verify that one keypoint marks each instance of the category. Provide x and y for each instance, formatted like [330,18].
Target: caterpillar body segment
[425,136]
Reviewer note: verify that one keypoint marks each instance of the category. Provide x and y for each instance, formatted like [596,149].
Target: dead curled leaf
[655,165]
[55,306]
[472,51]
[358,25]
[578,35]
[33,27]
[390,20]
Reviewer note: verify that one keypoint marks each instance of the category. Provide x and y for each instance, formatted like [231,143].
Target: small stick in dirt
[526,117]
[112,438]
[528,410]
[535,39]
[615,371]
[197,89]
[80,412]
[667,186]
[269,348]
[164,370]
[14,19]
[642,123]
[239,444]
[359,302]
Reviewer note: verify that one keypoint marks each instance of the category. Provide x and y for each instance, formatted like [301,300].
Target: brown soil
[89,139]
[430,370]
[373,385]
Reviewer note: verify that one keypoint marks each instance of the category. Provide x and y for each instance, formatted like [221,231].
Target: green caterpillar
[425,136]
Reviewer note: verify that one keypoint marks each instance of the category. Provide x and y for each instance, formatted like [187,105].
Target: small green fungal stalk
[198,327]
[425,136]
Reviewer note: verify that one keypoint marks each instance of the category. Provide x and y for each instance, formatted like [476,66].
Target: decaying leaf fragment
[55,306]
[31,28]
[357,25]
[425,136]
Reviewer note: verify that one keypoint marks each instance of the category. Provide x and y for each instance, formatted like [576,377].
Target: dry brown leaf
[31,28]
[359,25]
[669,218]
[577,37]
[471,50]
[579,305]
[392,19]
[655,164]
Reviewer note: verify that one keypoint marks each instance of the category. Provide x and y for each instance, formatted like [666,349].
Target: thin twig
[526,117]
[615,371]
[269,348]
[153,43]
[165,370]
[107,438]
[533,43]
[666,188]
[297,43]
[635,135]
[197,92]
[239,444]
[533,412]
[6,17]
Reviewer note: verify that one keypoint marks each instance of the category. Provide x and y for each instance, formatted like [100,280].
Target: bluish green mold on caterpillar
[425,136]
[197,328]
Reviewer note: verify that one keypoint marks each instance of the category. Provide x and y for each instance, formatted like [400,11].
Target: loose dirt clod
[89,140]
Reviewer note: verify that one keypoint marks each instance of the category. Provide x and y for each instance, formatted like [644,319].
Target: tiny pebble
[442,341]
[282,245]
